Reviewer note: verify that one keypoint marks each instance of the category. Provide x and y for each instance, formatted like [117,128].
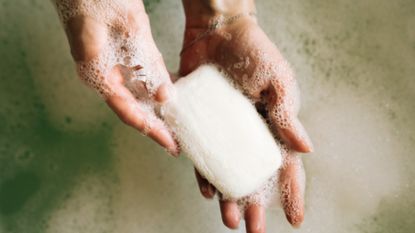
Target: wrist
[205,13]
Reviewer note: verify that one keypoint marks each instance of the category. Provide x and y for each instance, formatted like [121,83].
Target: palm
[89,39]
[244,52]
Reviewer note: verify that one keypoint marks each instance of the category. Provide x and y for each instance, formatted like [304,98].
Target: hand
[96,35]
[246,54]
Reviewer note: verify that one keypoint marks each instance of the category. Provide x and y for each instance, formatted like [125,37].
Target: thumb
[283,118]
[295,136]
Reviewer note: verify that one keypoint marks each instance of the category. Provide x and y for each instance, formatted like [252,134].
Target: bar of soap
[219,129]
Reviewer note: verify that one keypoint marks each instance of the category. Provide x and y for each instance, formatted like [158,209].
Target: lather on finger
[295,136]
[282,113]
[291,183]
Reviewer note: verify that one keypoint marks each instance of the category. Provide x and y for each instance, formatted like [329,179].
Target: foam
[362,168]
[220,131]
[276,192]
[286,103]
[128,43]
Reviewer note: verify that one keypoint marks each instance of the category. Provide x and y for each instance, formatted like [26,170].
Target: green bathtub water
[67,164]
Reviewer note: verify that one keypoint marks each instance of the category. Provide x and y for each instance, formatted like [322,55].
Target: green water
[68,165]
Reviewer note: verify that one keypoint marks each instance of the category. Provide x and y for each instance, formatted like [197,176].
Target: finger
[255,219]
[292,183]
[295,136]
[207,190]
[283,116]
[132,113]
[230,213]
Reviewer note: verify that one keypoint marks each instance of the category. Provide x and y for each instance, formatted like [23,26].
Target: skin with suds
[244,51]
[240,48]
[111,43]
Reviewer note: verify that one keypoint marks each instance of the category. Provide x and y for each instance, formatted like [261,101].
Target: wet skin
[266,78]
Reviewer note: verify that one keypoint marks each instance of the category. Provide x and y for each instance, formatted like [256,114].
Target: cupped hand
[134,83]
[245,53]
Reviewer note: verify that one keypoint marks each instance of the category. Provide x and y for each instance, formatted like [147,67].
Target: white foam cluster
[360,120]
[128,43]
[282,83]
[267,78]
[276,191]
[221,132]
[265,195]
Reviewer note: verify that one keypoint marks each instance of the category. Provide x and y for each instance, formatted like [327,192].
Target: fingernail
[203,189]
[210,190]
[174,152]
[207,191]
[302,137]
[173,76]
[308,146]
[166,140]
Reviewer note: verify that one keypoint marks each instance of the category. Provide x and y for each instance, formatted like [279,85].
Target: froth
[268,78]
[219,129]
[277,191]
[127,44]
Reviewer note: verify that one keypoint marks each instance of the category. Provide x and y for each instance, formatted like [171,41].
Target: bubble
[126,44]
[207,112]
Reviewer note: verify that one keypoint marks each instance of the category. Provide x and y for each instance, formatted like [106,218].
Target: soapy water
[355,69]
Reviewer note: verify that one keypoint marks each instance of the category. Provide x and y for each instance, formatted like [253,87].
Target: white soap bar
[219,129]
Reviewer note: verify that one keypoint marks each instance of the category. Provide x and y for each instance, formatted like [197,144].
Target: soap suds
[220,130]
[127,44]
[356,77]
